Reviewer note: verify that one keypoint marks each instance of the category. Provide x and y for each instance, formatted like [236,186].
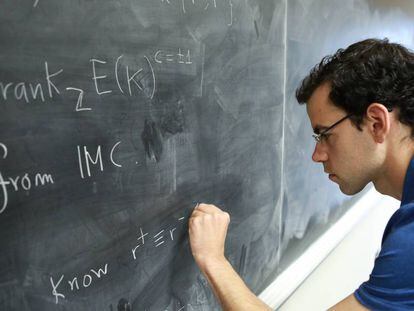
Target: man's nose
[319,154]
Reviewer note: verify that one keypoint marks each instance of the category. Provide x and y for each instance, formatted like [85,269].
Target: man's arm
[208,229]
[349,303]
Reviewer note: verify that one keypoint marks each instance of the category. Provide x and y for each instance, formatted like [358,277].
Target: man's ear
[378,121]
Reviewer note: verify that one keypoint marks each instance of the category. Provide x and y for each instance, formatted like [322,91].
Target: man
[360,102]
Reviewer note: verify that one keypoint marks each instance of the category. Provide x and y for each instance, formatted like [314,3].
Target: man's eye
[325,136]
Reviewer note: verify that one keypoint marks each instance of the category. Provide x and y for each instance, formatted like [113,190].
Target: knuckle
[224,215]
[216,208]
[227,216]
[196,220]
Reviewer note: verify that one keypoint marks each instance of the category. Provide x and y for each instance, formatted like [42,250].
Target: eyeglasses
[319,137]
[322,136]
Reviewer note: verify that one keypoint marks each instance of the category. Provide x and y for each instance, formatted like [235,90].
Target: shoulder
[400,223]
[397,248]
[391,282]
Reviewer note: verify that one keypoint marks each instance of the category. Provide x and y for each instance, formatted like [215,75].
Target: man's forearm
[207,231]
[229,288]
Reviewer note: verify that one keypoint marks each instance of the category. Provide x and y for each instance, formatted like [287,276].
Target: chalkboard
[117,117]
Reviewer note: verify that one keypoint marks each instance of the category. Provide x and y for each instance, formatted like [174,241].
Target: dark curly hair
[366,72]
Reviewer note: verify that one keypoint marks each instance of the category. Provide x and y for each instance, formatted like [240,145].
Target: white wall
[346,265]
[349,264]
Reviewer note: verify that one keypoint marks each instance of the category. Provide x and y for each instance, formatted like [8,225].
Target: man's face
[347,154]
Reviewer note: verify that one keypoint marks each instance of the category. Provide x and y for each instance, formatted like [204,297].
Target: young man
[360,102]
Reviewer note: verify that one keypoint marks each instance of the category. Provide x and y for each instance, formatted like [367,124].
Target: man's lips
[330,175]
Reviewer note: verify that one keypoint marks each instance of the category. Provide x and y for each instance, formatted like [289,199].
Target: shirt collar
[408,190]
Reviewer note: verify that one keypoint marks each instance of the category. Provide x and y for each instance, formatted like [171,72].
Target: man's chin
[349,190]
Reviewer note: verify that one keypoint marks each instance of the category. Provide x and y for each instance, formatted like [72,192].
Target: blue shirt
[391,283]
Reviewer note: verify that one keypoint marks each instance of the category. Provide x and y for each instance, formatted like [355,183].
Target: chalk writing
[158,238]
[87,159]
[153,76]
[31,91]
[204,5]
[112,155]
[25,182]
[73,283]
[141,240]
[179,57]
[54,289]
[231,13]
[95,78]
[4,147]
[62,285]
[136,78]
[79,103]
[140,79]
[214,3]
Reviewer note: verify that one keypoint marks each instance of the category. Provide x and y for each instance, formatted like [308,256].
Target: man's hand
[208,229]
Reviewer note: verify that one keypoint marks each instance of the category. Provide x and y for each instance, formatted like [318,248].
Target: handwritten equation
[127,79]
[63,284]
[135,79]
[18,183]
[158,239]
[204,5]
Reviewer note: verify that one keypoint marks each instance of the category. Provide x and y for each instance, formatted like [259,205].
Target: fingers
[196,213]
[208,212]
[207,208]
[203,209]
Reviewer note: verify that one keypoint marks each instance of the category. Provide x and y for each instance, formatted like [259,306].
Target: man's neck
[392,176]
